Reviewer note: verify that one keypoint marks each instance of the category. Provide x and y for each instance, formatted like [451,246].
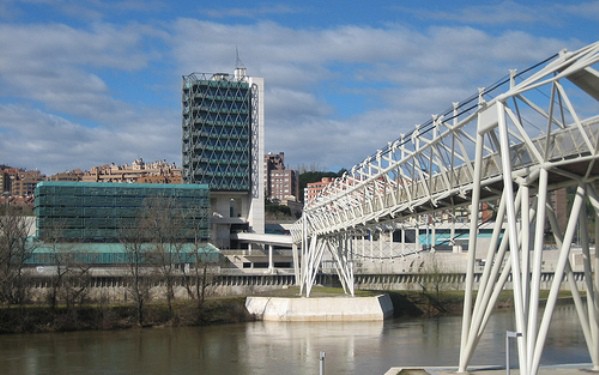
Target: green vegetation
[40,318]
[275,211]
[317,291]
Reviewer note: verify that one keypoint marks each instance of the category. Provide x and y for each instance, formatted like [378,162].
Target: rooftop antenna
[240,70]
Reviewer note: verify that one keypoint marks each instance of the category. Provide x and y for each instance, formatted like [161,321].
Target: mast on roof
[240,70]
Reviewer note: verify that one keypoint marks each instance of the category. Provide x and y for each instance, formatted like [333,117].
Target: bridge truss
[510,146]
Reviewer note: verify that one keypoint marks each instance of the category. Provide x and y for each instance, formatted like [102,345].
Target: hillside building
[281,184]
[21,183]
[158,172]
[70,176]
[312,189]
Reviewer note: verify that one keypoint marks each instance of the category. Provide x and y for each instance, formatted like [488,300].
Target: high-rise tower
[223,146]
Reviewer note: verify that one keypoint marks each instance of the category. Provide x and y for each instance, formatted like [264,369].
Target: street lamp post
[509,335]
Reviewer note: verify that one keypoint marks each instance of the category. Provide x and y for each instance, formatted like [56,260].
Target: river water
[277,348]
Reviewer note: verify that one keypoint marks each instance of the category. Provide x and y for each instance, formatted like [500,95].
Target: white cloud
[504,12]
[54,64]
[33,139]
[103,45]
[78,93]
[30,138]
[250,12]
[507,12]
[94,10]
[589,9]
[410,74]
[305,104]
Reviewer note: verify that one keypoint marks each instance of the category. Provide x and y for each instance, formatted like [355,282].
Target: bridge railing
[432,167]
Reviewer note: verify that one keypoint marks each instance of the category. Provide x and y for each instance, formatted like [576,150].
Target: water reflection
[276,348]
[298,344]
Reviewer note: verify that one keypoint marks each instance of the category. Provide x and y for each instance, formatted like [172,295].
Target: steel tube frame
[470,157]
[537,260]
[555,285]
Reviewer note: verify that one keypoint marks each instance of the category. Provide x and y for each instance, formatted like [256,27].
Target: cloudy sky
[84,83]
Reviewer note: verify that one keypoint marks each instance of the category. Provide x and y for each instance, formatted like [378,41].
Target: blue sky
[84,83]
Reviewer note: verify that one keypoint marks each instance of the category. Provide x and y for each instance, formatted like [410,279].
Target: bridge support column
[296,264]
[311,260]
[339,248]
[475,201]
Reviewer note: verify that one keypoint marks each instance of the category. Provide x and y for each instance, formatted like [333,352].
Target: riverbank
[277,348]
[215,310]
[39,318]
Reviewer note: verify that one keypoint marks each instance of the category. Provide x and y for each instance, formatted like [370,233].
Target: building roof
[111,247]
[121,185]
[112,254]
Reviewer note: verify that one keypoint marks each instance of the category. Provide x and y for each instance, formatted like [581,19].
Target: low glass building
[114,212]
[104,224]
[116,254]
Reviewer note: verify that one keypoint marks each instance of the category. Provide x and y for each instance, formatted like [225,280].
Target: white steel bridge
[533,132]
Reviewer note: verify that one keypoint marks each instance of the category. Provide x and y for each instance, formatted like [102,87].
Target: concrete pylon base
[375,308]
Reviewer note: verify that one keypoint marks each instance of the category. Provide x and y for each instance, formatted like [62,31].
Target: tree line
[156,251]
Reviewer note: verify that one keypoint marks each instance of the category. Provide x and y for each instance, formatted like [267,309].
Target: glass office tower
[223,147]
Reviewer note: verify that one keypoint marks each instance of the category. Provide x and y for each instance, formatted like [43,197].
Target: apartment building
[22,183]
[281,184]
[312,189]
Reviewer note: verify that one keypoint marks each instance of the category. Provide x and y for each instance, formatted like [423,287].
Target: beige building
[18,186]
[139,172]
[70,176]
[3,182]
[22,183]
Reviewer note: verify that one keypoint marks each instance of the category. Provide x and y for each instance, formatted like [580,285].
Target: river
[277,348]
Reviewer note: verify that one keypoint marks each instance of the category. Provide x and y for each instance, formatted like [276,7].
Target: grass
[317,291]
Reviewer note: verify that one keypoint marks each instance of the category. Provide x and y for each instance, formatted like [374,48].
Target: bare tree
[68,277]
[74,284]
[53,235]
[197,278]
[166,220]
[135,238]
[434,280]
[165,255]
[15,250]
[139,280]
[159,242]
[154,243]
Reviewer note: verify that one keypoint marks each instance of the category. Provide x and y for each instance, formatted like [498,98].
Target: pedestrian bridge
[503,151]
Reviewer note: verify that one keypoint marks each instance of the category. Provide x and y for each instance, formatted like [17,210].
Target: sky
[90,82]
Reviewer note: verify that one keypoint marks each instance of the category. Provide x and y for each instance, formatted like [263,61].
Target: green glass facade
[217,139]
[109,212]
[115,254]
